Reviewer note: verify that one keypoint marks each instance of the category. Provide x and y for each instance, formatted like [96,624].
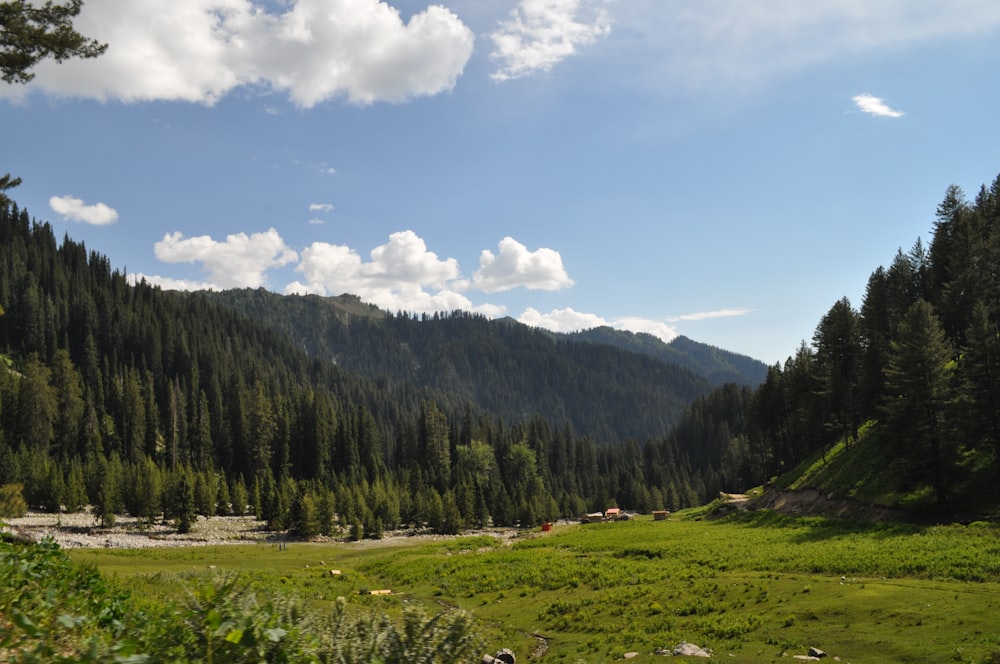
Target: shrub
[54,610]
[348,637]
[58,611]
[12,504]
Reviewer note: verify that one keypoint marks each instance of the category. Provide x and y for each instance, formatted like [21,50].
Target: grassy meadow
[748,587]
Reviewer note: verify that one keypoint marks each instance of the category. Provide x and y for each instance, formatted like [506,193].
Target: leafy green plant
[224,621]
[56,611]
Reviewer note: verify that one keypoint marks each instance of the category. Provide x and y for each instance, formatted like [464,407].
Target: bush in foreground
[52,610]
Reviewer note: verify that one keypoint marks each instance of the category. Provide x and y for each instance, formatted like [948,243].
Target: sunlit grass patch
[751,585]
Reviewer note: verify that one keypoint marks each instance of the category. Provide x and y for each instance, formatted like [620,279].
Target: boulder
[816,652]
[503,656]
[690,650]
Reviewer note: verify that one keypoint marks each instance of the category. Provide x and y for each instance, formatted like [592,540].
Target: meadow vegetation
[749,587]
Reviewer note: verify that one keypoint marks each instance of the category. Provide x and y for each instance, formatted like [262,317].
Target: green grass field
[749,587]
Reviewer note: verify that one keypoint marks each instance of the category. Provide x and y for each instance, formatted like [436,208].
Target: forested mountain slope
[127,397]
[916,367]
[602,391]
[716,365]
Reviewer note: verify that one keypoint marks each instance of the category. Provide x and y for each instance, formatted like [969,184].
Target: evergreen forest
[314,414]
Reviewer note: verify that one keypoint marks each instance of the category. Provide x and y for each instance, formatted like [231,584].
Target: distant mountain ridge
[641,386]
[716,365]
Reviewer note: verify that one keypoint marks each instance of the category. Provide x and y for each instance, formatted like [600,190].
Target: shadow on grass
[817,528]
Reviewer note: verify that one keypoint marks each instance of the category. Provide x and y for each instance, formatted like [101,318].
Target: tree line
[100,376]
[919,360]
[163,399]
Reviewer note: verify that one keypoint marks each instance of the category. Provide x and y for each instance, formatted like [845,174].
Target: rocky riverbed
[80,529]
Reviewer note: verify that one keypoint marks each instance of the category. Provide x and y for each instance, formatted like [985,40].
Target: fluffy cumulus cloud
[569,320]
[875,106]
[401,275]
[313,50]
[240,261]
[654,327]
[561,320]
[74,209]
[538,34]
[514,266]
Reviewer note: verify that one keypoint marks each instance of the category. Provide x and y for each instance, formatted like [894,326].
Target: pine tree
[205,492]
[36,407]
[150,488]
[68,390]
[33,32]
[876,331]
[920,398]
[305,516]
[239,496]
[76,488]
[223,501]
[838,359]
[451,517]
[183,507]
[980,373]
[107,498]
[325,511]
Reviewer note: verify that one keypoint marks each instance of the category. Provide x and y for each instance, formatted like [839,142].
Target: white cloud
[321,207]
[698,45]
[240,261]
[707,315]
[569,320]
[516,266]
[315,221]
[74,209]
[168,283]
[313,50]
[541,33]
[561,320]
[875,106]
[401,275]
[656,328]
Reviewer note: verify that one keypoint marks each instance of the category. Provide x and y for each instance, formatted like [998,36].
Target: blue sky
[720,169]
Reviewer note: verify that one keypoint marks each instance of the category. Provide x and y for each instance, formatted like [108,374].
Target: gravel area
[79,529]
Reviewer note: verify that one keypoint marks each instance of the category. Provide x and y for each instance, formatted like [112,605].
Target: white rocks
[79,530]
[690,650]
